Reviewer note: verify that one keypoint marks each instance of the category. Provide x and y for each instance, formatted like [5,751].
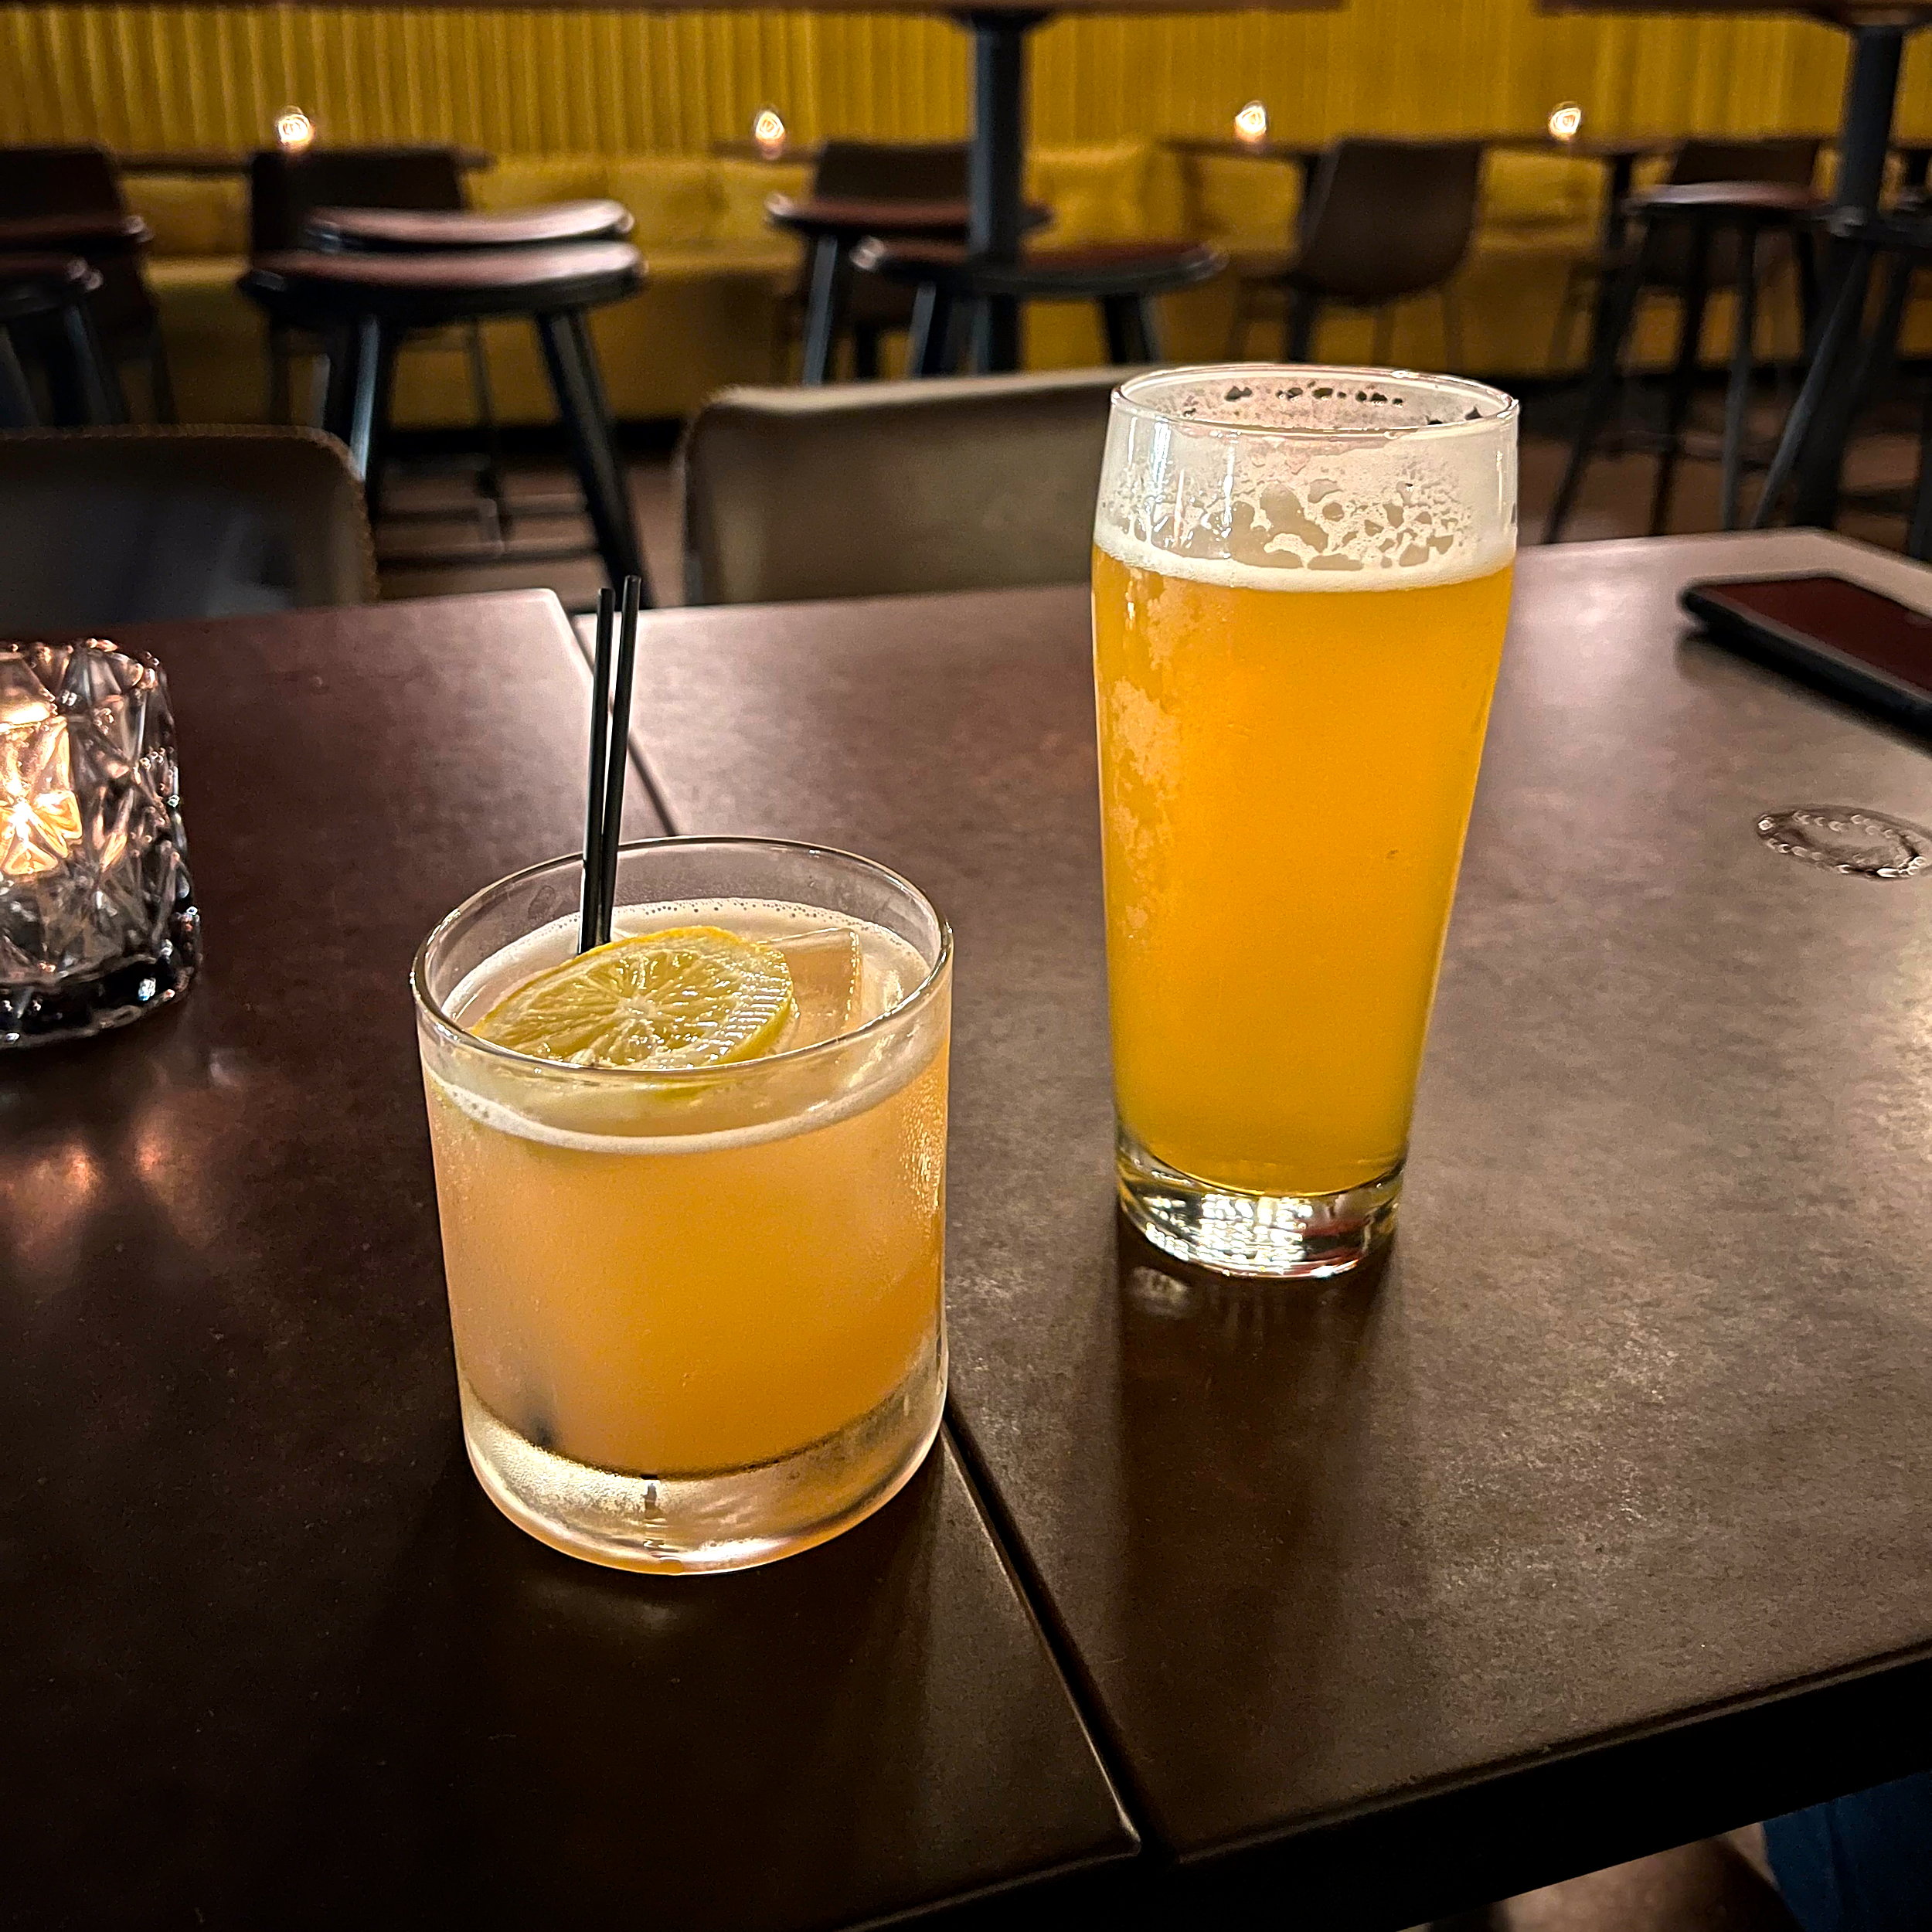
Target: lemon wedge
[692,996]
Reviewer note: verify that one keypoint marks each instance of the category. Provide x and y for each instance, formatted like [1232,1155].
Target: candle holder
[98,918]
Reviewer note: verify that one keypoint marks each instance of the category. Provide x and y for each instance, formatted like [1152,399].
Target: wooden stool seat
[364,303]
[426,230]
[1726,201]
[425,291]
[1123,277]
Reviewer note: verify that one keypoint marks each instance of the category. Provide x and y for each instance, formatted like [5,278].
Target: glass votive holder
[98,918]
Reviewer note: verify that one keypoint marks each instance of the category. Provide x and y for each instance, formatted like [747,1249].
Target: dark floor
[1708,1887]
[436,501]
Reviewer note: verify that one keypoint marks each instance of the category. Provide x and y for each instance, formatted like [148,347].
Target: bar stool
[1903,237]
[285,191]
[1122,277]
[896,191]
[364,304]
[50,294]
[69,201]
[1722,225]
[428,230]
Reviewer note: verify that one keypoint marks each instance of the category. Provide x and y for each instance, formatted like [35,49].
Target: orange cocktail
[698,1312]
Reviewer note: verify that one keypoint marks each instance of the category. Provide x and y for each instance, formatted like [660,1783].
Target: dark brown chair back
[891,171]
[1790,159]
[284,189]
[59,181]
[1387,218]
[115,526]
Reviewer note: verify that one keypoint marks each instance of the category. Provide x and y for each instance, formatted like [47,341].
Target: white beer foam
[1267,478]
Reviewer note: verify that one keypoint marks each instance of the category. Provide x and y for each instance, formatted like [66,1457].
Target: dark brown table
[1601,1521]
[271,1659]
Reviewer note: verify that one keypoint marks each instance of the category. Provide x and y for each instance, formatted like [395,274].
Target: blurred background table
[272,1657]
[217,161]
[1812,450]
[1596,1525]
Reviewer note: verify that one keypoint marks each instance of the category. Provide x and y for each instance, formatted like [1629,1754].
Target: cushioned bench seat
[715,311]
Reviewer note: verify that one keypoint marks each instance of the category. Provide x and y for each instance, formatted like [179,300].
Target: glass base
[722,1519]
[112,995]
[1274,1236]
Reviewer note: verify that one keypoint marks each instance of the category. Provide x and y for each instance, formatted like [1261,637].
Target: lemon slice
[692,996]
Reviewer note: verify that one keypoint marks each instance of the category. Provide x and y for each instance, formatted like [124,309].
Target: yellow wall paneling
[564,81]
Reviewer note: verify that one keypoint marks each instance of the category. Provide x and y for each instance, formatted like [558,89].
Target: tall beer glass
[1300,582]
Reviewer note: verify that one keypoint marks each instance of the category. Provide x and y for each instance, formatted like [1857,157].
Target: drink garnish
[691,997]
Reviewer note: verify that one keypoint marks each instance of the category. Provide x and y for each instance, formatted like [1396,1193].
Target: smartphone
[1856,643]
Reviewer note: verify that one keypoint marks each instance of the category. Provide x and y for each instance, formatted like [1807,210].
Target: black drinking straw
[619,755]
[610,739]
[590,899]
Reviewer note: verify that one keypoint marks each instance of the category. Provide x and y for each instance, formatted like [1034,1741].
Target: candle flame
[1251,123]
[768,133]
[40,815]
[1566,122]
[294,131]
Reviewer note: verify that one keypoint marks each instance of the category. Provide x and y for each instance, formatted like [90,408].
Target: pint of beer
[1300,584]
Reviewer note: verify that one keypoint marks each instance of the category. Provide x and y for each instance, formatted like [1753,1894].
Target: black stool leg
[339,385]
[967,336]
[1805,262]
[484,398]
[368,406]
[932,322]
[1129,331]
[1304,311]
[1841,322]
[571,362]
[1683,375]
[80,380]
[17,411]
[280,405]
[1877,365]
[1606,352]
[865,353]
[1737,394]
[825,309]
[994,334]
[161,384]
[1918,541]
